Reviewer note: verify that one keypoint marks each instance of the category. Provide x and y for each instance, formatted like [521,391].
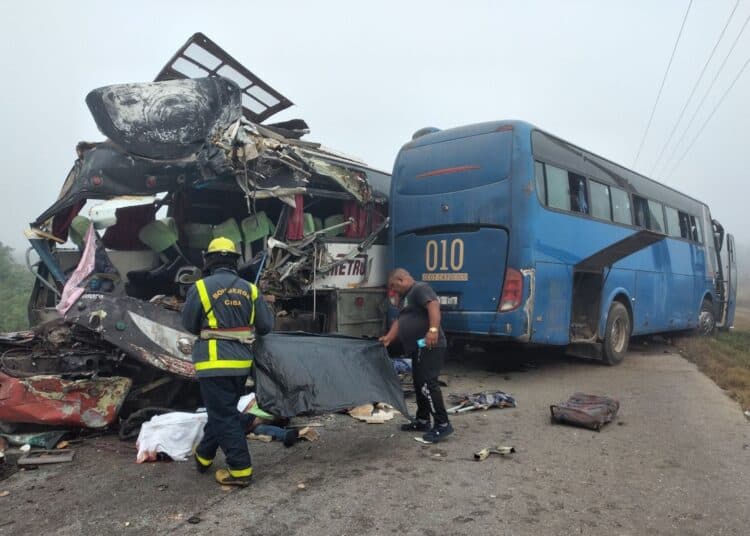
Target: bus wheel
[617,334]
[706,319]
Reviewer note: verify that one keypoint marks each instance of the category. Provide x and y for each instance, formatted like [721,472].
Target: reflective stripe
[239,473]
[200,286]
[223,363]
[203,461]
[213,353]
[253,296]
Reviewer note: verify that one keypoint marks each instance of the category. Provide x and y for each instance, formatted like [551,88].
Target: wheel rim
[706,322]
[618,335]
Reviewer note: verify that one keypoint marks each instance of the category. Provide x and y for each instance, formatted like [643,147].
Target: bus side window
[558,191]
[641,211]
[695,230]
[655,216]
[577,188]
[685,226]
[673,222]
[541,187]
[621,206]
[600,206]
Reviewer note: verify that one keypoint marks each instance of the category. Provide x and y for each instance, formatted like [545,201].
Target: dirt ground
[676,461]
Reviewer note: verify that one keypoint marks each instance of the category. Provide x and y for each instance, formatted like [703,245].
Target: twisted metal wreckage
[185,159]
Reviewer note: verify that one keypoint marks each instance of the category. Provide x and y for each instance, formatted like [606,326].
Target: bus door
[730,271]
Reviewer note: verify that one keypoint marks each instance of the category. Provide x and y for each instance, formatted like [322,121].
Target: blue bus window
[696,232]
[540,185]
[600,201]
[655,216]
[558,189]
[621,206]
[577,186]
[641,211]
[673,222]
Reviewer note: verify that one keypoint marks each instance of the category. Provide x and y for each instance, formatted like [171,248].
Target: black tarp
[301,373]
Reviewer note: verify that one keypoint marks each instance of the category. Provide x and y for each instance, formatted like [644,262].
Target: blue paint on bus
[495,216]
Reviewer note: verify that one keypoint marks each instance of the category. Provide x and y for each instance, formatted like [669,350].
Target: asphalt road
[676,461]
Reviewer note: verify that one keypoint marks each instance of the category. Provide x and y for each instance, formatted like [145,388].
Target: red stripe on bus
[445,171]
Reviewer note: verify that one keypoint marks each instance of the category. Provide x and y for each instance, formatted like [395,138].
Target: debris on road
[484,453]
[587,411]
[483,400]
[309,434]
[46,440]
[45,457]
[373,413]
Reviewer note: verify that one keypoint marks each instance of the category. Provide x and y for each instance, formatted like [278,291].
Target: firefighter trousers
[225,425]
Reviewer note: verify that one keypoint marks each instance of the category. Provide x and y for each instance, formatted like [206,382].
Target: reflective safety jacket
[225,312]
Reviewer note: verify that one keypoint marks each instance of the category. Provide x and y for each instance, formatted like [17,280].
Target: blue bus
[528,238]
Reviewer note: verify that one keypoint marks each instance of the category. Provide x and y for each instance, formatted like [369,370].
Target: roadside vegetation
[15,286]
[725,358]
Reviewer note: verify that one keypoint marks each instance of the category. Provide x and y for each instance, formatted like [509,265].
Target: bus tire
[706,320]
[616,334]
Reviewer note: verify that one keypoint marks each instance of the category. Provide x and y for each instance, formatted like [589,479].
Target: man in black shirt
[419,318]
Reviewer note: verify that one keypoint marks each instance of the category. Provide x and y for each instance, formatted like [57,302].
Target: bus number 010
[438,253]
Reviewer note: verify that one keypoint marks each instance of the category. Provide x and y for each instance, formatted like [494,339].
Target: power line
[695,87]
[700,131]
[658,95]
[708,91]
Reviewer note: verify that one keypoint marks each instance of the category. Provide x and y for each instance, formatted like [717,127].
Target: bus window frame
[631,197]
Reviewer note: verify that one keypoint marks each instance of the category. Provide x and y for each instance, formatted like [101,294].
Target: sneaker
[438,433]
[290,437]
[417,425]
[201,464]
[225,478]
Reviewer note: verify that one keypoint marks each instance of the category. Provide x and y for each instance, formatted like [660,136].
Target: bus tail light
[512,291]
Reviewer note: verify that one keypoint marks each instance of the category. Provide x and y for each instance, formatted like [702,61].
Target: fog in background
[366,76]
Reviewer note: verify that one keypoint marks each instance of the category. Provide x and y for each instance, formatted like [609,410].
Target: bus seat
[334,220]
[257,227]
[78,229]
[198,235]
[308,224]
[159,235]
[229,229]
[318,223]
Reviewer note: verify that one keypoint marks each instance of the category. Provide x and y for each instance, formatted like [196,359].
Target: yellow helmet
[223,246]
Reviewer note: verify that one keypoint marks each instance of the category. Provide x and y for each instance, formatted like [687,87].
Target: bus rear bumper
[512,325]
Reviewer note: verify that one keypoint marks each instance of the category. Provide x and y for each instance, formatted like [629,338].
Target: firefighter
[226,314]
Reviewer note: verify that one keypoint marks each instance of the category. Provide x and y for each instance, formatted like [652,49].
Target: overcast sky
[365,77]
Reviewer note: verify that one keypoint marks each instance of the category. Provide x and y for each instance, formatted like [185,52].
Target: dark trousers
[225,424]
[426,367]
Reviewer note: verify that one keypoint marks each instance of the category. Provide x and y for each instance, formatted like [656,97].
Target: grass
[725,358]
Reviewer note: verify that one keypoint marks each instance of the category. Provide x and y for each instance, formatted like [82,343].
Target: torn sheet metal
[164,120]
[145,331]
[304,373]
[50,400]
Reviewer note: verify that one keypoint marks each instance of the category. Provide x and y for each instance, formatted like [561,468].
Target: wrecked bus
[187,158]
[528,238]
